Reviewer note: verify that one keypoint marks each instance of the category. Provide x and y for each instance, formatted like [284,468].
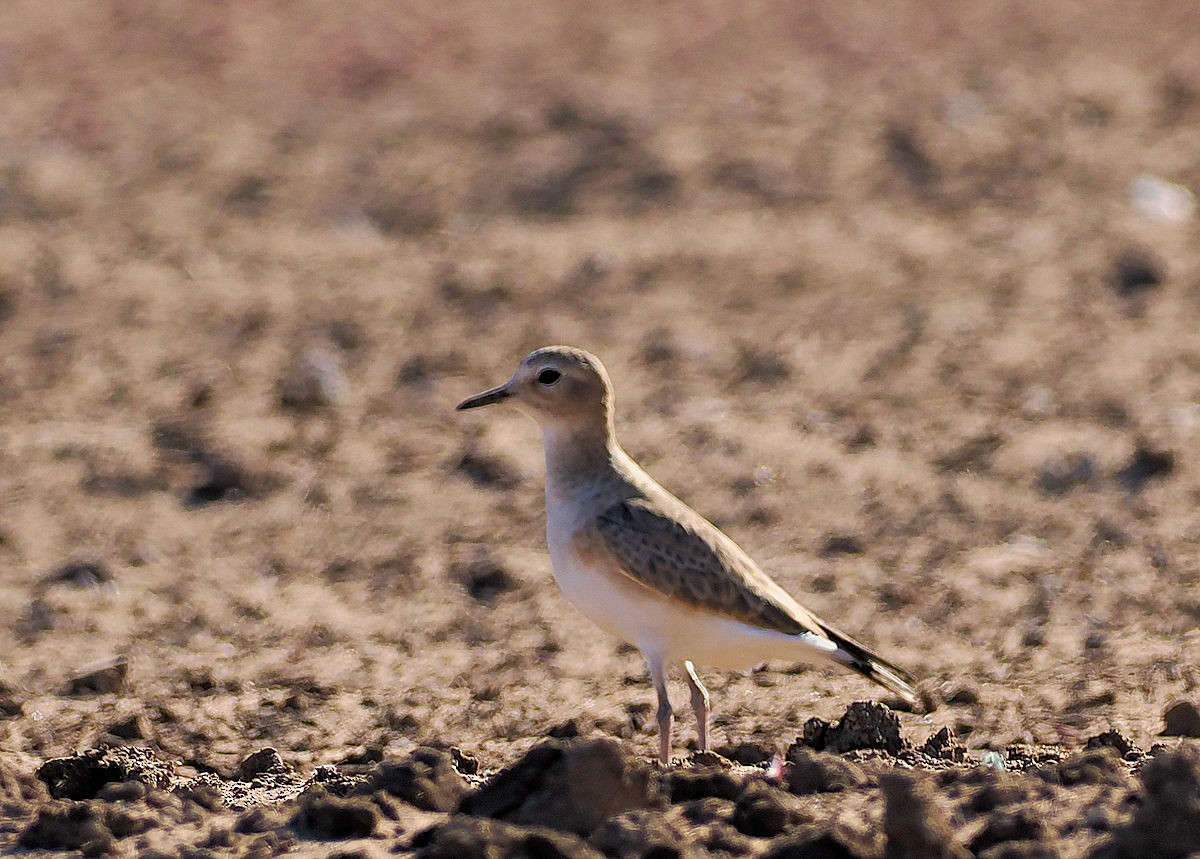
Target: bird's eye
[548,377]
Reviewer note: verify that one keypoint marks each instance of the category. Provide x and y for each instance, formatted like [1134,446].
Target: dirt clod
[81,574]
[1098,765]
[427,780]
[82,776]
[479,838]
[945,746]
[684,785]
[68,826]
[99,678]
[1167,822]
[573,786]
[763,811]
[262,762]
[914,823]
[864,725]
[1181,719]
[820,772]
[325,816]
[1113,740]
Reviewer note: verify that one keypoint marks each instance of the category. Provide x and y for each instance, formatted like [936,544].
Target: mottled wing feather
[686,558]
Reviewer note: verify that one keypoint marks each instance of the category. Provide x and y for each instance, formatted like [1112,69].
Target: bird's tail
[857,657]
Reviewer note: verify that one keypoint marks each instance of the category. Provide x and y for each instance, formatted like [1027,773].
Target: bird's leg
[666,718]
[699,704]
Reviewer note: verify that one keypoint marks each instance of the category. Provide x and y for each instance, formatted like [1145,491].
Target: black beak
[495,395]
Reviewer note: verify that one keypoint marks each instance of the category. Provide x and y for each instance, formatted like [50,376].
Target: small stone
[313,381]
[99,678]
[1135,270]
[1061,474]
[1145,465]
[263,762]
[82,574]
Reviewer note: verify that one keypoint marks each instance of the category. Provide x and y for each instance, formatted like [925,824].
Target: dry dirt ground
[885,292]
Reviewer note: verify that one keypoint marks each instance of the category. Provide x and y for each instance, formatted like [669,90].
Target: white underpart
[660,627]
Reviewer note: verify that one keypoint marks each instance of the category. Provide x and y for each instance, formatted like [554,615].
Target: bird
[647,568]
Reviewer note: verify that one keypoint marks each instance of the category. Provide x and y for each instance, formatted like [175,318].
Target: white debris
[1161,200]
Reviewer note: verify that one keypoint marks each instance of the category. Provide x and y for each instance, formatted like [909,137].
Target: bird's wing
[686,558]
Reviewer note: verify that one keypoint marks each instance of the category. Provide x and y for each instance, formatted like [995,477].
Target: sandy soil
[887,293]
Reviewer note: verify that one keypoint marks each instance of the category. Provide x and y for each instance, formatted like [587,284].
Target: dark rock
[914,824]
[763,811]
[465,763]
[820,772]
[1136,270]
[11,703]
[482,574]
[684,785]
[135,727]
[325,816]
[997,790]
[1181,719]
[945,747]
[487,470]
[564,730]
[972,456]
[1019,824]
[263,762]
[427,780]
[864,725]
[1100,766]
[814,732]
[221,476]
[99,678]
[962,696]
[841,544]
[1113,740]
[1145,465]
[81,776]
[81,574]
[68,826]
[249,196]
[569,785]
[747,754]
[464,837]
[225,479]
[1061,474]
[906,154]
[1167,822]
[336,782]
[764,365]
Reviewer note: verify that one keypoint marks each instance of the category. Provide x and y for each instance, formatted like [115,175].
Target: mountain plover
[647,568]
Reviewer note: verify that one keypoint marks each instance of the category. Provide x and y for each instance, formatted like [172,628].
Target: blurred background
[905,297]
